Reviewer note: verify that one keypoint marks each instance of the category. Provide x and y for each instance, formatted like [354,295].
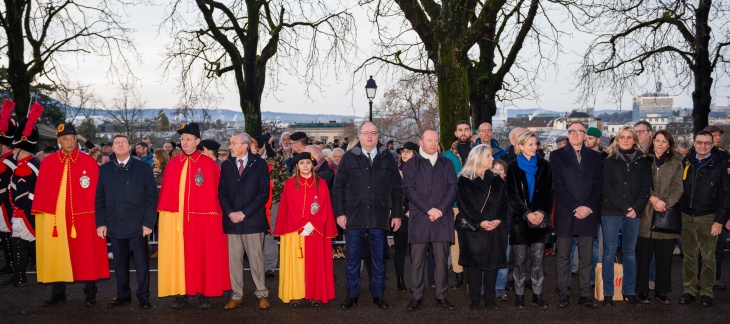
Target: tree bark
[702,68]
[18,75]
[453,91]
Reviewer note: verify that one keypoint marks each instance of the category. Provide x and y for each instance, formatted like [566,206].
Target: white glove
[308,229]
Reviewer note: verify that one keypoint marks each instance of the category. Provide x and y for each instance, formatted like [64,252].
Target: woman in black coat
[530,191]
[482,199]
[626,184]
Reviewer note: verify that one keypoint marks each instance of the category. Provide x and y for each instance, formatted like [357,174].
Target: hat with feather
[7,122]
[26,135]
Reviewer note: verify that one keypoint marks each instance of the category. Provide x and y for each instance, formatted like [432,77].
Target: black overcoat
[520,204]
[576,184]
[485,250]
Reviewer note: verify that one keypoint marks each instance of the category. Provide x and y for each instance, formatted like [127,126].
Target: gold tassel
[73,231]
[299,250]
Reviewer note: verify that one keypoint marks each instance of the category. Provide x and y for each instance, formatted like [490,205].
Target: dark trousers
[400,242]
[585,264]
[720,252]
[353,255]
[22,249]
[7,246]
[533,253]
[418,265]
[122,248]
[59,289]
[661,250]
[474,279]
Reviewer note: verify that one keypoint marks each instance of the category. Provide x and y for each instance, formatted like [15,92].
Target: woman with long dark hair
[666,189]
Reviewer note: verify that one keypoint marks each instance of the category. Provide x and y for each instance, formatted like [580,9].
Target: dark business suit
[126,200]
[576,184]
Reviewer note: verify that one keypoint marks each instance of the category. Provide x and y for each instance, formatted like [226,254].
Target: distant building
[577,116]
[652,103]
[531,123]
[324,132]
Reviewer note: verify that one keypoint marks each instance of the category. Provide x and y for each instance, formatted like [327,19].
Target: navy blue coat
[247,193]
[576,185]
[126,198]
[427,187]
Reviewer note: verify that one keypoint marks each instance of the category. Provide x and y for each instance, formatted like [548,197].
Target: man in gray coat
[429,182]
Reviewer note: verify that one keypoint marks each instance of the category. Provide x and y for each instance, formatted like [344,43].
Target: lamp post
[370,89]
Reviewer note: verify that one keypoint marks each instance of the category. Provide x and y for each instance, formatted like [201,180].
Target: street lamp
[370,89]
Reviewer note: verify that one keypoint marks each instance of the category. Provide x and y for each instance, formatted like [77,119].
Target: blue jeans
[629,228]
[353,256]
[502,273]
[596,242]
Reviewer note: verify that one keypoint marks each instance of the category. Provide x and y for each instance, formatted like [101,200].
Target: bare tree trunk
[453,91]
[702,68]
[17,70]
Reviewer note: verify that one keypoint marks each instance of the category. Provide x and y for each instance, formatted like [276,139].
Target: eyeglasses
[484,131]
[700,143]
[369,133]
[641,131]
[234,143]
[576,131]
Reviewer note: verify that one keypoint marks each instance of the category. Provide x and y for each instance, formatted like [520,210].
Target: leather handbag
[668,221]
[461,223]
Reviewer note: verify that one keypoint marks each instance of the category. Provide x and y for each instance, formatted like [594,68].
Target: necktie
[577,153]
[370,160]
[240,166]
[121,165]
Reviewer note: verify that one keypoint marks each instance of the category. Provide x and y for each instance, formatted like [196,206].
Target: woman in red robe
[306,225]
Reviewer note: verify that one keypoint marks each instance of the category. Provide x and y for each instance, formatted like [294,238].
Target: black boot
[458,281]
[401,284]
[90,293]
[7,246]
[520,301]
[20,248]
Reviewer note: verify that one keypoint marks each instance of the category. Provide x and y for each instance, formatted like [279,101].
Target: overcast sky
[335,96]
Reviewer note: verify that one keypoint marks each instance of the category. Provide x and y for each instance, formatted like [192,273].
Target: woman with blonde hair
[482,199]
[530,190]
[626,182]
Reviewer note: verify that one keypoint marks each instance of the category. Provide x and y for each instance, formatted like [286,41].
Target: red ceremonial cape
[294,213]
[88,251]
[206,246]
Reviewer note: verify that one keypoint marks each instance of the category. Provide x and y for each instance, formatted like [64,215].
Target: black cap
[411,146]
[192,129]
[210,144]
[26,135]
[65,129]
[108,144]
[7,123]
[259,141]
[297,136]
[713,128]
[302,156]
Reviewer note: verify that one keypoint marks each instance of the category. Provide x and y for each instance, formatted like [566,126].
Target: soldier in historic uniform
[7,166]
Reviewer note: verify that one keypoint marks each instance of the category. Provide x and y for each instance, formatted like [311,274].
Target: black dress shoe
[587,302]
[686,299]
[349,302]
[90,302]
[119,302]
[380,302]
[458,281]
[719,286]
[631,299]
[643,298]
[520,301]
[269,274]
[445,303]
[180,302]
[414,304]
[564,301]
[705,301]
[474,305]
[203,302]
[145,303]
[608,301]
[491,304]
[13,281]
[401,284]
[662,298]
[539,301]
[55,300]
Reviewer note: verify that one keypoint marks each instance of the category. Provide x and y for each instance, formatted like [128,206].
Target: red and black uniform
[7,166]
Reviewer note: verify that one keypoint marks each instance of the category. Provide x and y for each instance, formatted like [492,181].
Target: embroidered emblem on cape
[85,181]
[315,206]
[199,178]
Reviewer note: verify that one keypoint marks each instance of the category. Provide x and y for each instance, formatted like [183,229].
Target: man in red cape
[193,254]
[68,248]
